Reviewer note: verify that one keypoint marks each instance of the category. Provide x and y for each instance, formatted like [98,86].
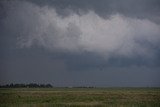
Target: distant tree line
[84,87]
[30,85]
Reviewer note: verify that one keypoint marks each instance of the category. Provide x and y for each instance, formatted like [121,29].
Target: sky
[101,43]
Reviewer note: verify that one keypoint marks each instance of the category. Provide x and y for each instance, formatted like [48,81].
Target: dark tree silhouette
[30,85]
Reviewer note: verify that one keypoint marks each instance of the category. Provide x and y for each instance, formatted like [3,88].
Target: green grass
[80,97]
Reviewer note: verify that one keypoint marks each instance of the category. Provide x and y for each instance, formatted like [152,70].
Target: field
[80,97]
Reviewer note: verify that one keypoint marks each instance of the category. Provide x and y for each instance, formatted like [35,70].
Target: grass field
[80,97]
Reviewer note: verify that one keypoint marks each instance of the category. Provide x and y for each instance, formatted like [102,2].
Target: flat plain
[80,97]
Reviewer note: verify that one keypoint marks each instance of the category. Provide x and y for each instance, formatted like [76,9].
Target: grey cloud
[43,26]
[143,9]
[80,43]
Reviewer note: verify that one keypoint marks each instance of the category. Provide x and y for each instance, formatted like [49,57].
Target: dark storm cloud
[144,9]
[43,26]
[80,42]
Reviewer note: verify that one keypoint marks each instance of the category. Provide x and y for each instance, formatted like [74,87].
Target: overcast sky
[99,43]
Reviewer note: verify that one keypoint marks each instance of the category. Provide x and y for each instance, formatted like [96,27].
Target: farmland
[80,97]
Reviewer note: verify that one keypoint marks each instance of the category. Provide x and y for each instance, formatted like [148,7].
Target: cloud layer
[85,32]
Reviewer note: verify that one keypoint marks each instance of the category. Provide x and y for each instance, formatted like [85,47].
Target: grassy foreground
[80,97]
